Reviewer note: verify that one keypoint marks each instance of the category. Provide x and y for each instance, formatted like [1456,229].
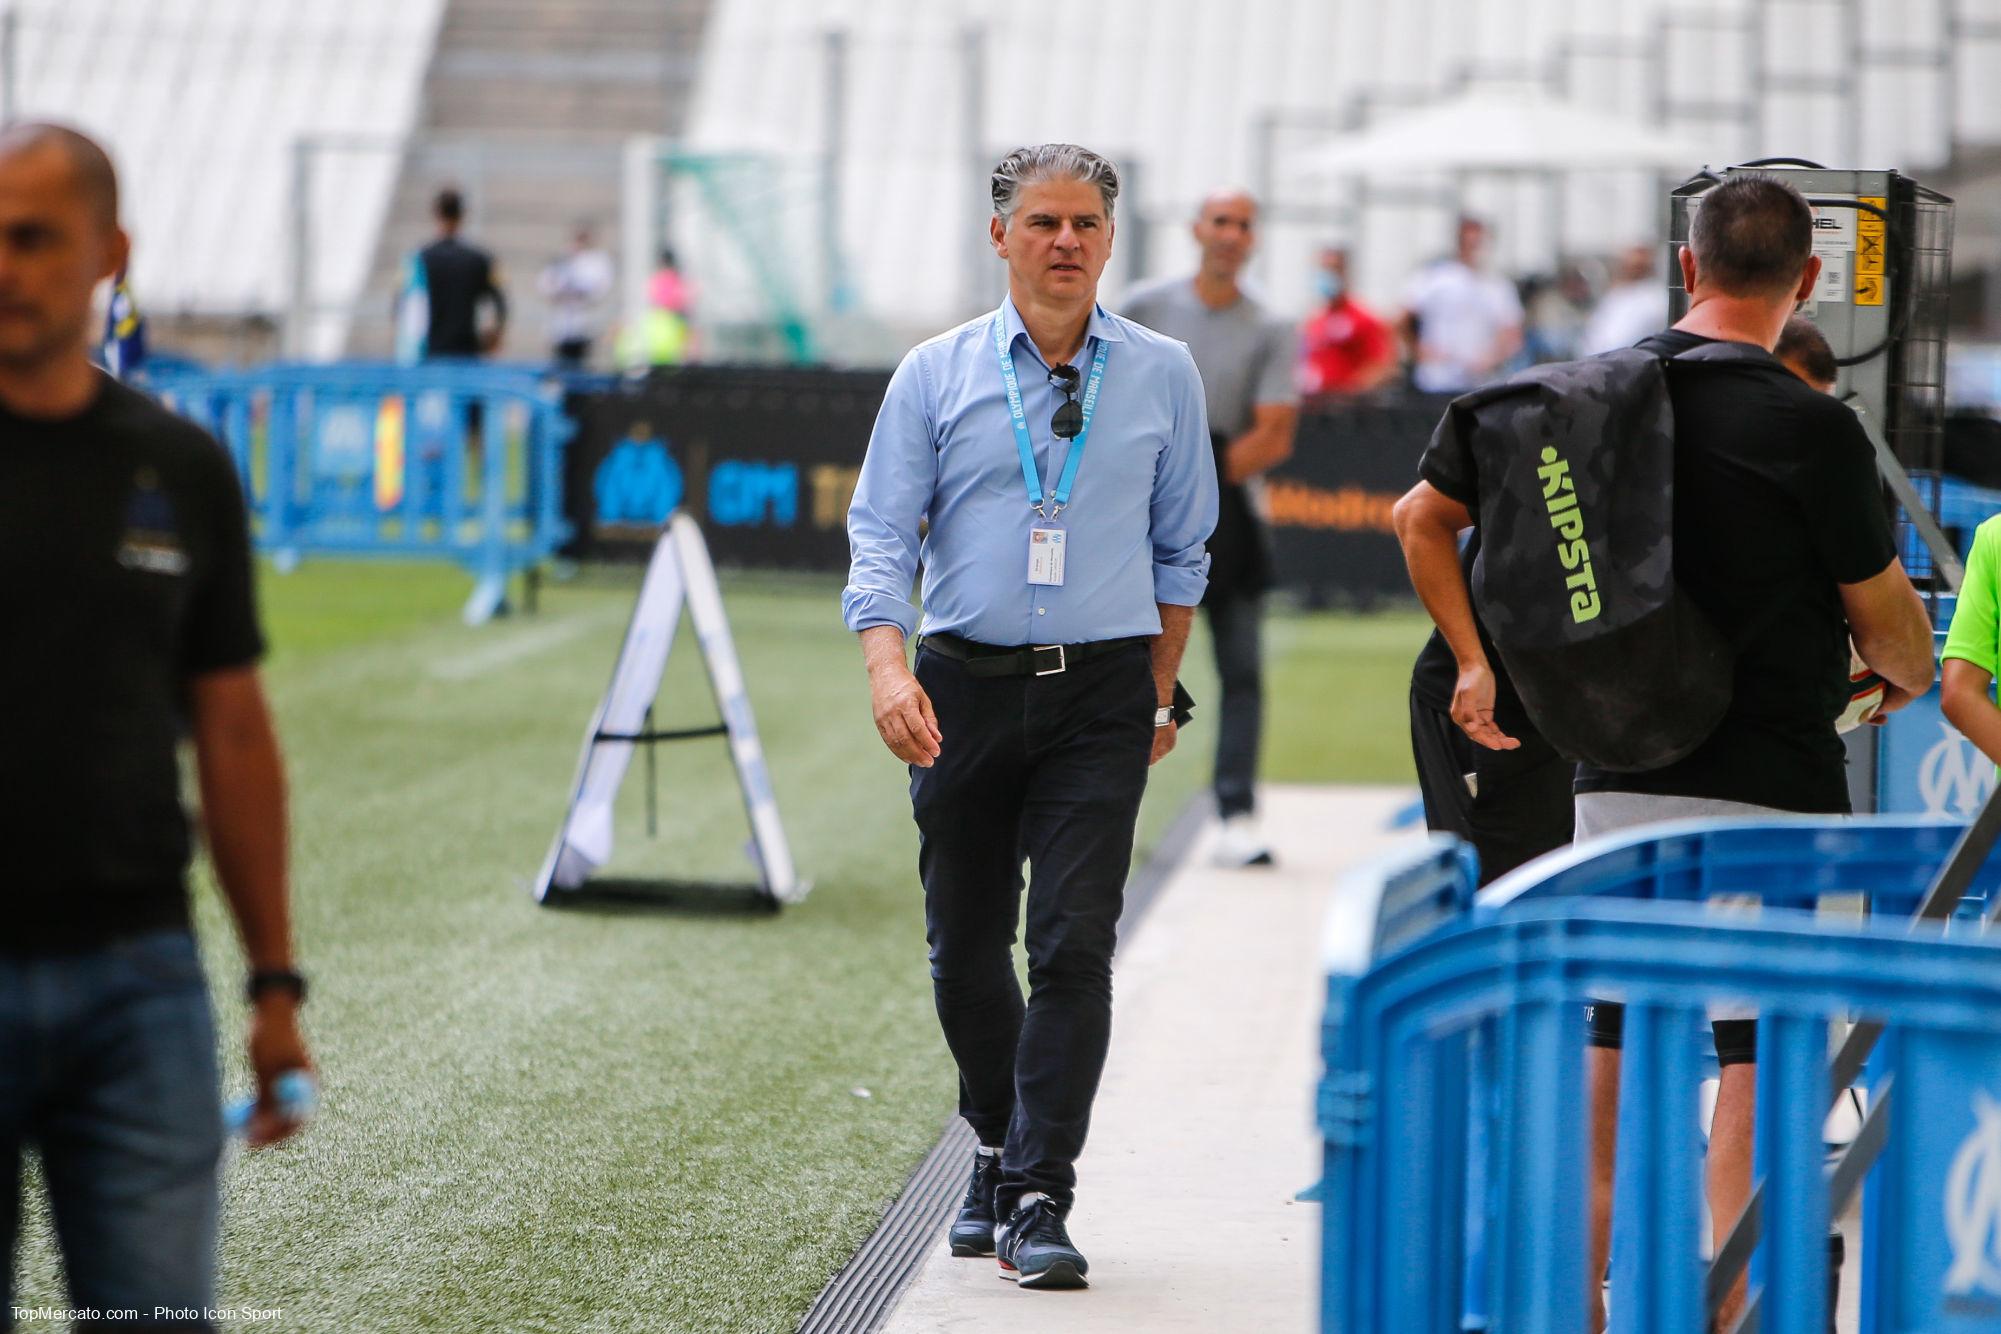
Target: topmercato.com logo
[90,1315]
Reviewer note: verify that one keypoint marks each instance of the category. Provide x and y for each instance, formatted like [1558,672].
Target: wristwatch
[275,979]
[1163,715]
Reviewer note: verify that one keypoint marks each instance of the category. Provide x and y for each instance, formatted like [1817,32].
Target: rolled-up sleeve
[898,477]
[1184,496]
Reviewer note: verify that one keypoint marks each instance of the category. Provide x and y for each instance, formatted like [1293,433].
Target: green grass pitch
[623,1117]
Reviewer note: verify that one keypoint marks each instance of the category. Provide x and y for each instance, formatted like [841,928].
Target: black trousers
[1523,806]
[1047,770]
[1235,626]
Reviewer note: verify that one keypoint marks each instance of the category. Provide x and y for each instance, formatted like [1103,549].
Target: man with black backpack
[1781,549]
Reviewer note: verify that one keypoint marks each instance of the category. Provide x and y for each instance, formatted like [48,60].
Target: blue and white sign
[1926,767]
[1973,1206]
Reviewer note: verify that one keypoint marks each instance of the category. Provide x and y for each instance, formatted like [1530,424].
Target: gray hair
[1051,162]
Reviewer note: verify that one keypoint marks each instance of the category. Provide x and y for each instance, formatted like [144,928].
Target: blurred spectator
[1248,362]
[576,285]
[663,336]
[1556,312]
[1463,324]
[448,286]
[1804,350]
[1345,348]
[1634,306]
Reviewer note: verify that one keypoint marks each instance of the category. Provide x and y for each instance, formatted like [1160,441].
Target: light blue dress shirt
[944,450]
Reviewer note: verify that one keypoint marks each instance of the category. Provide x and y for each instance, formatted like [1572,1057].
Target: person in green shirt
[1973,645]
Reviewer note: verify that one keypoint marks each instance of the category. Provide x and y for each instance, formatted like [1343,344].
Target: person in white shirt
[1631,309]
[1463,324]
[575,286]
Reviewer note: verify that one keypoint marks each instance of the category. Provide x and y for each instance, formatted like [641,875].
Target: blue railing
[449,461]
[1453,1107]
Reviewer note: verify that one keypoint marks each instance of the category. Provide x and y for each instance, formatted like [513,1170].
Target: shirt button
[1042,611]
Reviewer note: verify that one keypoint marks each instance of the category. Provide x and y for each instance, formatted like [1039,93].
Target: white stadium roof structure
[204,101]
[201,103]
[1189,95]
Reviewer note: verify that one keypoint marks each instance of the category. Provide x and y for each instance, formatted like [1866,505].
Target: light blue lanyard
[1020,420]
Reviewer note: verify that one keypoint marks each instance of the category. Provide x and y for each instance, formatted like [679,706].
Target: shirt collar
[1102,324]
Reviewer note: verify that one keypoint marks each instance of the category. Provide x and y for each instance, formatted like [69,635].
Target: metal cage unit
[1885,244]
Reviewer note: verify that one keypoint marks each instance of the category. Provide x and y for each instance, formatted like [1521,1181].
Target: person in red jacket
[1344,347]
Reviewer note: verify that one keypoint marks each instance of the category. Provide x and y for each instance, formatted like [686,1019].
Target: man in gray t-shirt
[1247,358]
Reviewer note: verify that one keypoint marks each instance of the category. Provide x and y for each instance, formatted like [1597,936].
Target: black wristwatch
[275,979]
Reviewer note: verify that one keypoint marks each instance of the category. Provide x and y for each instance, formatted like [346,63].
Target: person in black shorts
[129,622]
[1782,538]
[1804,350]
[1512,805]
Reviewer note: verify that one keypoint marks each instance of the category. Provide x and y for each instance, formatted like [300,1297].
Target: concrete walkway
[1203,1130]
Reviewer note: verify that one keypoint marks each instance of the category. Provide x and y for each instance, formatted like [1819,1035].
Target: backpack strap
[1749,354]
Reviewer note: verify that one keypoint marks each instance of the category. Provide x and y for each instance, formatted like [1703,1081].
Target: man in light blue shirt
[1060,456]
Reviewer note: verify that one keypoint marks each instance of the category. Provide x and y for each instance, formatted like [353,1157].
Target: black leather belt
[1020,660]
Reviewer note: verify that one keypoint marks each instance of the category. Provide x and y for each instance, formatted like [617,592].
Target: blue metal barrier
[458,461]
[1789,862]
[1962,507]
[1476,1024]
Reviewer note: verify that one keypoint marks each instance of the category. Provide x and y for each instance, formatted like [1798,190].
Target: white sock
[987,1151]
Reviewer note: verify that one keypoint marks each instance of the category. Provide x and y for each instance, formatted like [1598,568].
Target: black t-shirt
[126,554]
[1777,501]
[457,277]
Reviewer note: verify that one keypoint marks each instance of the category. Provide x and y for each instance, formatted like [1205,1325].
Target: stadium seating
[202,102]
[1177,89]
[526,107]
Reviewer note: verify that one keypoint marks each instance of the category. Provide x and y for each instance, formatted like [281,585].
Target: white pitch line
[516,647]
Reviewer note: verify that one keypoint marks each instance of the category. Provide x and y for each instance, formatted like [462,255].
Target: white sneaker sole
[1061,1274]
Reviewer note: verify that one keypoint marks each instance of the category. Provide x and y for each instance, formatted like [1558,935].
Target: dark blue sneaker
[1035,1251]
[973,1230]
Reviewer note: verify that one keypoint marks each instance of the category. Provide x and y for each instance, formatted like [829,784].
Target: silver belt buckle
[1062,664]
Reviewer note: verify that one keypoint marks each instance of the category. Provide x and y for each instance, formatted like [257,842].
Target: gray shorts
[1609,812]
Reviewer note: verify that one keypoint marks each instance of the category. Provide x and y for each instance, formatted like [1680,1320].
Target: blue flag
[124,349]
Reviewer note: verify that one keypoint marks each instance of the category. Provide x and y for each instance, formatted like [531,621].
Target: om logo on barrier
[1973,1205]
[1954,778]
[638,483]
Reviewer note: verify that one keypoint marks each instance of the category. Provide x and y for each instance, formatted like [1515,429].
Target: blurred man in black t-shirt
[1781,537]
[460,282]
[127,620]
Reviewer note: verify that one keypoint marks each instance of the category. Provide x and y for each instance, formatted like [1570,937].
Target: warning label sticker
[1834,233]
[1871,242]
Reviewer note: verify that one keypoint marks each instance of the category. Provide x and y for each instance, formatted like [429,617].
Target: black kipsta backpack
[1575,576]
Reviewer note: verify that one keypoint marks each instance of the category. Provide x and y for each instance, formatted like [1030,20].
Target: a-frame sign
[680,573]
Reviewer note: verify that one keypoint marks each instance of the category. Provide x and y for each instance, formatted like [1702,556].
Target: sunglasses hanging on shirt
[1069,418]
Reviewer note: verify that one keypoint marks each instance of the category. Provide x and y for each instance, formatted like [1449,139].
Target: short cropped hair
[1051,162]
[1752,236]
[450,206]
[1802,341]
[96,178]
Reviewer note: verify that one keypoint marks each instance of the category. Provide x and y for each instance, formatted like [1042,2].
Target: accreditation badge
[1046,549]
